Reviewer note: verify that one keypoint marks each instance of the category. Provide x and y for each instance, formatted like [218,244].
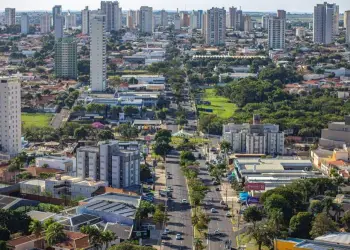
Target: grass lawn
[220,105]
[176,140]
[36,120]
[249,244]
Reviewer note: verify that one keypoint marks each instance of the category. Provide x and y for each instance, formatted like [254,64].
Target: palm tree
[94,234]
[36,227]
[107,237]
[198,244]
[54,234]
[328,203]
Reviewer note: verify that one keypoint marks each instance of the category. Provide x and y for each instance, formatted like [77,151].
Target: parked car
[183,201]
[213,210]
[178,236]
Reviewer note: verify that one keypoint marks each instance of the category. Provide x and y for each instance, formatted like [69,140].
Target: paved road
[179,213]
[59,118]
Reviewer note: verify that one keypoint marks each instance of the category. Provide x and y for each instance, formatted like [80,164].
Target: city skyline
[254,5]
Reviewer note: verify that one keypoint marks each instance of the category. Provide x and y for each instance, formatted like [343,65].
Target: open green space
[36,120]
[220,105]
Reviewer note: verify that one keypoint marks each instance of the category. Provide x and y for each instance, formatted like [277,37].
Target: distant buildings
[111,163]
[113,15]
[70,21]
[185,19]
[336,135]
[163,18]
[59,23]
[132,19]
[265,21]
[326,23]
[254,138]
[239,20]
[98,67]
[10,116]
[45,23]
[347,25]
[24,24]
[193,20]
[276,30]
[215,26]
[10,16]
[146,19]
[177,21]
[231,18]
[300,32]
[85,21]
[66,58]
[56,10]
[248,24]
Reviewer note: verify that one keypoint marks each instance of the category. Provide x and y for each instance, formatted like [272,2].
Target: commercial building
[347,25]
[108,162]
[215,26]
[248,24]
[45,23]
[66,65]
[152,79]
[276,32]
[24,23]
[10,116]
[85,21]
[336,135]
[59,23]
[64,164]
[56,10]
[163,18]
[98,67]
[231,18]
[113,15]
[10,16]
[254,138]
[324,23]
[70,21]
[146,19]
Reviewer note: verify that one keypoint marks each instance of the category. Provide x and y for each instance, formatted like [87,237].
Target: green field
[220,105]
[36,120]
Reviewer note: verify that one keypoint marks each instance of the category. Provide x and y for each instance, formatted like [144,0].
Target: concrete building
[98,67]
[131,19]
[56,10]
[239,20]
[45,23]
[347,25]
[108,162]
[146,19]
[215,26]
[185,19]
[276,32]
[59,23]
[10,16]
[64,164]
[324,27]
[199,19]
[66,65]
[248,24]
[70,21]
[336,135]
[193,20]
[231,18]
[336,20]
[113,15]
[24,24]
[10,116]
[265,21]
[281,14]
[164,18]
[177,21]
[85,21]
[300,32]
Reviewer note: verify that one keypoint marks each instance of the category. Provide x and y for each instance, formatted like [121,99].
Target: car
[228,214]
[222,203]
[183,201]
[213,210]
[215,183]
[169,177]
[225,207]
[178,236]
[217,189]
[217,232]
[170,188]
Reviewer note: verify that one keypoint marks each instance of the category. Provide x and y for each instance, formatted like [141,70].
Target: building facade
[239,20]
[347,25]
[248,24]
[276,32]
[56,10]
[146,19]
[98,67]
[164,18]
[10,16]
[45,23]
[324,28]
[10,116]
[24,24]
[113,15]
[216,26]
[59,23]
[66,65]
[85,21]
[231,18]
[117,165]
[70,21]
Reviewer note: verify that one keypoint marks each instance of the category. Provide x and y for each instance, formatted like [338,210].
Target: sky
[304,6]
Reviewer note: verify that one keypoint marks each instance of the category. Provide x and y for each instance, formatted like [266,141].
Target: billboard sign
[255,186]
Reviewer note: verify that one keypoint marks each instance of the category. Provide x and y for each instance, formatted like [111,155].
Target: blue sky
[248,5]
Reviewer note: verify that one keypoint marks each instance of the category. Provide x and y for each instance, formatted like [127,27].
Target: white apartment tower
[56,10]
[45,23]
[347,25]
[24,23]
[98,67]
[131,19]
[10,16]
[265,21]
[276,32]
[324,26]
[70,21]
[177,21]
[10,116]
[59,23]
[146,19]
[113,15]
[216,26]
[85,17]
[163,18]
[231,18]
[194,20]
[248,24]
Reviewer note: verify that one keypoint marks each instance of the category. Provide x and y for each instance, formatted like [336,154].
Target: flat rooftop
[257,164]
[117,197]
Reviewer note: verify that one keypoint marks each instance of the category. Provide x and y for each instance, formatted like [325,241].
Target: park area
[220,106]
[36,120]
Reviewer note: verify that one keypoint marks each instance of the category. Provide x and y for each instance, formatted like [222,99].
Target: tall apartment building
[131,19]
[10,116]
[113,15]
[282,14]
[177,21]
[265,21]
[146,19]
[199,19]
[216,26]
[254,138]
[239,20]
[45,23]
[70,20]
[116,164]
[24,23]
[98,66]
[248,24]
[193,20]
[185,19]
[85,21]
[163,18]
[66,58]
[276,32]
[336,20]
[347,25]
[56,10]
[231,18]
[10,16]
[59,23]
[324,23]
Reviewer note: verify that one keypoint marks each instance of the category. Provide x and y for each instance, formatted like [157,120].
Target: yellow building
[337,241]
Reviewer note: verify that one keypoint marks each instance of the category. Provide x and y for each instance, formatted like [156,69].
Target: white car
[213,210]
[184,201]
[217,231]
[228,214]
[178,236]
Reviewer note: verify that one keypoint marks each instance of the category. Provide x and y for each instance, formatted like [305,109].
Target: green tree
[278,202]
[4,234]
[144,209]
[164,134]
[346,220]
[316,207]
[130,246]
[127,131]
[161,147]
[130,110]
[159,216]
[81,133]
[253,214]
[322,225]
[36,227]
[107,237]
[54,234]
[105,135]
[48,222]
[300,225]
